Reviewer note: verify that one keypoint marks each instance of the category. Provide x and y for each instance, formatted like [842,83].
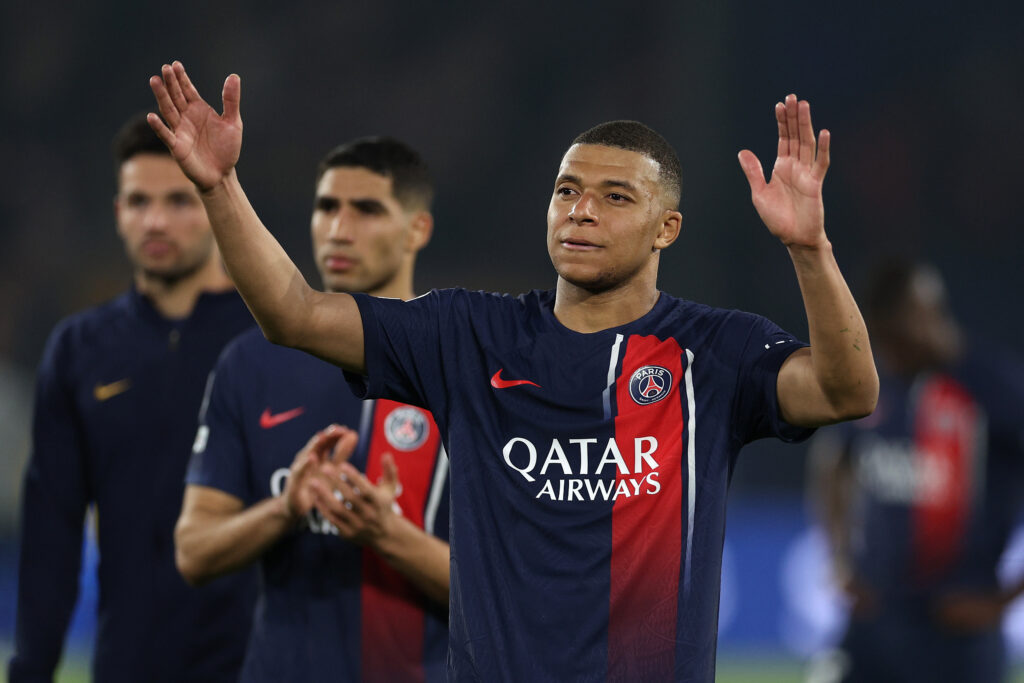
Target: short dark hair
[135,137]
[636,137]
[888,288]
[410,178]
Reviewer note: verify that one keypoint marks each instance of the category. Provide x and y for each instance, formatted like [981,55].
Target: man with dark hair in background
[118,391]
[592,429]
[919,500]
[371,605]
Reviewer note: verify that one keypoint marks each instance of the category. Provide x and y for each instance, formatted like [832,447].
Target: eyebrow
[611,182]
[325,201]
[322,201]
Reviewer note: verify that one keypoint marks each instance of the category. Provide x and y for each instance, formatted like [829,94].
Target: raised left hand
[791,203]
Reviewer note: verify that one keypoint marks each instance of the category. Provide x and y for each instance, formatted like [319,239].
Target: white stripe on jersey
[691,467]
[364,419]
[436,489]
[607,394]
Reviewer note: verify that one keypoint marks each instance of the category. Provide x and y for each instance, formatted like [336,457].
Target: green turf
[732,668]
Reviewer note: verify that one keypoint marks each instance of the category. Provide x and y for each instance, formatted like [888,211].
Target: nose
[583,211]
[340,228]
[155,218]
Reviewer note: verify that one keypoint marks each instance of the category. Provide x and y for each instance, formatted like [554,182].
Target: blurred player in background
[119,388]
[919,499]
[329,609]
[593,428]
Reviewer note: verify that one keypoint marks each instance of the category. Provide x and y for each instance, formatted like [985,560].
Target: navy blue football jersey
[939,471]
[328,609]
[118,392]
[589,473]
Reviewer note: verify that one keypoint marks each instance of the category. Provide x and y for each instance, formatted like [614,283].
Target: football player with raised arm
[594,427]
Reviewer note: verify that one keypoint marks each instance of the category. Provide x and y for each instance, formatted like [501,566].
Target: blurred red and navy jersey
[589,473]
[939,471]
[328,609]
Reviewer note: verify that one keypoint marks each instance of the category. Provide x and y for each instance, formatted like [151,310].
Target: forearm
[266,277]
[210,544]
[841,359]
[49,564]
[422,558]
[288,310]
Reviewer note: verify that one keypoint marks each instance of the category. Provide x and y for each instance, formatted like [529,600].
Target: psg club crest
[650,384]
[406,428]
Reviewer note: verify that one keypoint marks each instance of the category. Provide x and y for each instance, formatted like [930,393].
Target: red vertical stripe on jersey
[392,608]
[946,439]
[647,525]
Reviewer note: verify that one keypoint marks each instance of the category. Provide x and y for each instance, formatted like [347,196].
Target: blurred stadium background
[923,100]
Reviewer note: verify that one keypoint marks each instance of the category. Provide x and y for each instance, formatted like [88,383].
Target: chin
[588,279]
[341,283]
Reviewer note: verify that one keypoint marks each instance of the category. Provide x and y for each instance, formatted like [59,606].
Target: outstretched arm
[217,534]
[366,514]
[835,379]
[206,145]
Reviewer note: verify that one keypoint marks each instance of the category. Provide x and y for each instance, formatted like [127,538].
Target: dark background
[923,100]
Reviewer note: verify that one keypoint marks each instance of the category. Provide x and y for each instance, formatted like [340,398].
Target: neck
[398,287]
[176,299]
[584,311]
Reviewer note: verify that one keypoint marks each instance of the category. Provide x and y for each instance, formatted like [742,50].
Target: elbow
[188,563]
[858,400]
[188,569]
[276,334]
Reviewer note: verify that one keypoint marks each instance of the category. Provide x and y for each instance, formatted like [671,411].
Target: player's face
[608,217]
[361,233]
[926,329]
[161,219]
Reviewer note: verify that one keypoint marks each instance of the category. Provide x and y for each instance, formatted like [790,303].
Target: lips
[578,244]
[156,247]
[337,263]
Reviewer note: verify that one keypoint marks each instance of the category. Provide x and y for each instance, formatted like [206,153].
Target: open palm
[205,144]
[791,203]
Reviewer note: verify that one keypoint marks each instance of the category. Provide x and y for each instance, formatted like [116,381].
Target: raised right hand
[206,145]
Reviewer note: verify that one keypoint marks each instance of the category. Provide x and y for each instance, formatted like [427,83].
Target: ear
[421,227]
[668,230]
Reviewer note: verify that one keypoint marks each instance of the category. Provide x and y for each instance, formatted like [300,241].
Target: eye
[616,197]
[565,191]
[369,208]
[180,201]
[325,204]
[136,201]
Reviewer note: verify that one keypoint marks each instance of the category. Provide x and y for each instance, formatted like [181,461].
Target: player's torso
[928,484]
[330,610]
[137,382]
[593,469]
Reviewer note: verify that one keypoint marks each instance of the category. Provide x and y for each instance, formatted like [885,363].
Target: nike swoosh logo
[102,392]
[267,420]
[498,383]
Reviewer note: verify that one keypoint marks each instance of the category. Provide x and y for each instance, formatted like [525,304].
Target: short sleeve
[219,450]
[756,408]
[403,350]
